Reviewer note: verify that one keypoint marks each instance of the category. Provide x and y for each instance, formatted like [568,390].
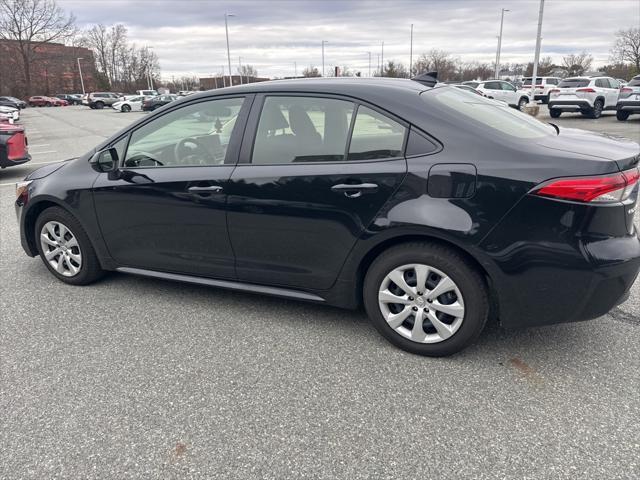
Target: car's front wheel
[555,113]
[65,248]
[426,299]
[125,108]
[622,115]
[522,103]
[99,105]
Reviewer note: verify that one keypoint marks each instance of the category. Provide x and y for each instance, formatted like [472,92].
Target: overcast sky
[189,37]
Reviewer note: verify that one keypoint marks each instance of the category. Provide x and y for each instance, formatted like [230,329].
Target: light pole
[411,53]
[149,77]
[323,42]
[240,68]
[369,53]
[500,43]
[80,70]
[538,42]
[226,29]
[382,60]
[295,69]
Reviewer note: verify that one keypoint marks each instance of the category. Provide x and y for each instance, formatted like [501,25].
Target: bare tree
[248,71]
[32,23]
[311,71]
[545,66]
[627,47]
[395,70]
[436,60]
[577,64]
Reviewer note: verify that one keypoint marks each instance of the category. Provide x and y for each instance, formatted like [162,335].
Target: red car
[42,101]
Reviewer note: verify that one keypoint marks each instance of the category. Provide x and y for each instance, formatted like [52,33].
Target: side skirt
[244,287]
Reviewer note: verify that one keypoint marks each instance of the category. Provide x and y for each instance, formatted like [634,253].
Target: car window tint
[552,81]
[375,136]
[494,115]
[418,144]
[508,87]
[302,129]
[196,134]
[574,83]
[613,83]
[492,86]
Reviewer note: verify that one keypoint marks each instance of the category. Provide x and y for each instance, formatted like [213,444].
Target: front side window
[508,87]
[196,134]
[375,136]
[492,86]
[302,129]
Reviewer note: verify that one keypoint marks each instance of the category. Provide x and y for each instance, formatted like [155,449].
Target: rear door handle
[211,189]
[354,190]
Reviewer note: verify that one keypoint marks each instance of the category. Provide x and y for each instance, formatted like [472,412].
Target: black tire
[48,104]
[555,113]
[99,105]
[125,108]
[596,111]
[90,269]
[469,281]
[622,115]
[522,103]
[32,105]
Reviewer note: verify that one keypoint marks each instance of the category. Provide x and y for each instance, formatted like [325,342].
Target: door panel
[287,225]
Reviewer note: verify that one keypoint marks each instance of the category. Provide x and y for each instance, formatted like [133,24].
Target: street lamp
[382,60]
[240,69]
[538,42]
[226,28]
[149,77]
[411,52]
[323,42]
[80,70]
[369,53]
[500,43]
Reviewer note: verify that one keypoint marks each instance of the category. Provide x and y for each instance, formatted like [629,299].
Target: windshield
[492,114]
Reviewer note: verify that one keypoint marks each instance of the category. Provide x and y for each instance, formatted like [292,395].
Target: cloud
[189,36]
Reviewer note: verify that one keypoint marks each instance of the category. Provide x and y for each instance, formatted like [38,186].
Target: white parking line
[7,184]
[46,151]
[48,144]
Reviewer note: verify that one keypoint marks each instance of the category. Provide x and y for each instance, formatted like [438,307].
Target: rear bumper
[570,105]
[630,106]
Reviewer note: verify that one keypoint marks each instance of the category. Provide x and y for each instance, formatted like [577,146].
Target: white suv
[501,90]
[629,99]
[542,87]
[587,95]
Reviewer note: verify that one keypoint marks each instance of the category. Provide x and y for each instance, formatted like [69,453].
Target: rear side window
[552,81]
[602,83]
[527,81]
[574,83]
[492,86]
[302,129]
[375,136]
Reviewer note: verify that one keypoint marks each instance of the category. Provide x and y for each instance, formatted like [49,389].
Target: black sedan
[13,102]
[433,207]
[152,103]
[71,99]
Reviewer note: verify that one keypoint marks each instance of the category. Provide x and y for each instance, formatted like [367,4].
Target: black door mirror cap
[105,160]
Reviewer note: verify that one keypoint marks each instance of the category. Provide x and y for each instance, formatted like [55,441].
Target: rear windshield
[489,113]
[574,83]
[527,81]
[635,82]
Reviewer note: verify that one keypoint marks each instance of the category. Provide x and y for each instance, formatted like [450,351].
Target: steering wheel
[190,151]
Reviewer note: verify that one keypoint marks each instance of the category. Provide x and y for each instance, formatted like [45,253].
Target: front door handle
[211,189]
[354,190]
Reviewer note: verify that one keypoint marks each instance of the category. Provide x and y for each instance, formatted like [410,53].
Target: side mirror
[105,160]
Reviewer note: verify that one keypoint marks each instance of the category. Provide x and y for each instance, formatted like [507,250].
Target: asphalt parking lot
[135,377]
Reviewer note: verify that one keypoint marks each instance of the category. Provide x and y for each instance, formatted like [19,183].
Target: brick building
[54,70]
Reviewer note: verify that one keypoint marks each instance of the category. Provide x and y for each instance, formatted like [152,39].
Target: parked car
[588,95]
[629,99]
[540,91]
[13,102]
[13,145]
[432,207]
[503,91]
[133,103]
[151,103]
[40,101]
[70,99]
[58,102]
[9,114]
[98,100]
[147,93]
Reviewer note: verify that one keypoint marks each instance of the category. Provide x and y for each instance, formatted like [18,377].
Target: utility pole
[411,53]
[226,29]
[538,43]
[80,70]
[240,68]
[497,75]
[382,60]
[323,42]
[369,63]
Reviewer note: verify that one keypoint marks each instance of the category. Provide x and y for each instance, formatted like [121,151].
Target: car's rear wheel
[426,299]
[555,113]
[125,108]
[65,248]
[596,111]
[48,104]
[99,105]
[622,115]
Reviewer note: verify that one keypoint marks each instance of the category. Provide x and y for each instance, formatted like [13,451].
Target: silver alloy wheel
[421,303]
[60,248]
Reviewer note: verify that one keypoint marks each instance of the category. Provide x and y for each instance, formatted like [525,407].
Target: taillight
[626,89]
[555,90]
[586,90]
[17,146]
[601,189]
[625,92]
